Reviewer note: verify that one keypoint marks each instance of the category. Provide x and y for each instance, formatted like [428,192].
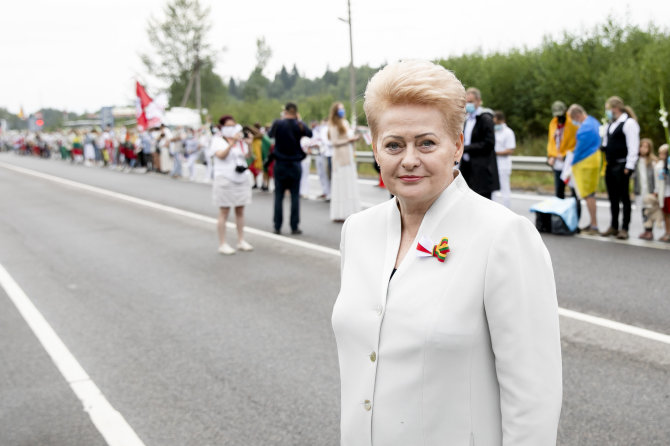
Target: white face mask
[230,130]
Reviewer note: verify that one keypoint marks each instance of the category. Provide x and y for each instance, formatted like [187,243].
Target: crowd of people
[236,159]
[581,150]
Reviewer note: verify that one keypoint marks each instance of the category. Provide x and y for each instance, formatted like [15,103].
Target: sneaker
[296,232]
[277,231]
[622,235]
[226,249]
[646,235]
[609,232]
[244,246]
[589,231]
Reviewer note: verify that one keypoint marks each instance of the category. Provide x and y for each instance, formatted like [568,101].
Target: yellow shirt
[568,141]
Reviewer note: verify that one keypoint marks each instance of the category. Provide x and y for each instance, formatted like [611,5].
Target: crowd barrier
[526,163]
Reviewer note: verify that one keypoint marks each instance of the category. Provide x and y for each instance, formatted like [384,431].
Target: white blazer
[465,352]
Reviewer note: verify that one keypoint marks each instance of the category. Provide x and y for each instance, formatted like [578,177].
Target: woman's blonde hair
[651,158]
[416,82]
[335,120]
[617,102]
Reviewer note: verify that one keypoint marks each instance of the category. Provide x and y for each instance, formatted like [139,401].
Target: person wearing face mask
[560,141]
[505,145]
[621,145]
[479,166]
[344,196]
[232,180]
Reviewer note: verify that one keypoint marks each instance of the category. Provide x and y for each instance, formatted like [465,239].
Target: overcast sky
[81,55]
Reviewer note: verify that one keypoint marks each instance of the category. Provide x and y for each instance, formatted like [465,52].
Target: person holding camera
[232,181]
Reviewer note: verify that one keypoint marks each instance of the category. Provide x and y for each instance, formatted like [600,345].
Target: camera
[240,169]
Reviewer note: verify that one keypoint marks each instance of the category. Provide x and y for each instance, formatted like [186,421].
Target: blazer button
[373,356]
[367,405]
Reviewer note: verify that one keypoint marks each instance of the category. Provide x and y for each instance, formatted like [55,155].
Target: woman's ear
[459,148]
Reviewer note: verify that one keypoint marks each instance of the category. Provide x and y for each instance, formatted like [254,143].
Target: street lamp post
[352,72]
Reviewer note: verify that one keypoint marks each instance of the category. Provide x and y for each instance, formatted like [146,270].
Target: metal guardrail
[526,163]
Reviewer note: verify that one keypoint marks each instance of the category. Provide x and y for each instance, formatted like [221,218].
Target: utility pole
[352,72]
[198,102]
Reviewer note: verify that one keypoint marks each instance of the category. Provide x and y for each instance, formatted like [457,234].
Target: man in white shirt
[505,145]
[621,144]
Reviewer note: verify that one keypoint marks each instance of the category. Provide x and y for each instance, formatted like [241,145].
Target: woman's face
[415,152]
[644,149]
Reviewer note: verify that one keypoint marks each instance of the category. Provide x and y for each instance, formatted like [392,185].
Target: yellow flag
[21,115]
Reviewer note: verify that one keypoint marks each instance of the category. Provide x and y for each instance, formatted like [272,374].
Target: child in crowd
[662,188]
[644,187]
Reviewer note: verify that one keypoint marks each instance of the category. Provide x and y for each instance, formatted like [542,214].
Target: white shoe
[244,246]
[226,249]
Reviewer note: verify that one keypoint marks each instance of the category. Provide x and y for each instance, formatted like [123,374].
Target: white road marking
[109,422]
[594,320]
[168,209]
[618,326]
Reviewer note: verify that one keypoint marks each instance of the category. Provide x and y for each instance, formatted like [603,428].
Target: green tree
[180,43]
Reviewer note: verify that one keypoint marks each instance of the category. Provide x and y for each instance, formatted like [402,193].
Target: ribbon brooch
[425,248]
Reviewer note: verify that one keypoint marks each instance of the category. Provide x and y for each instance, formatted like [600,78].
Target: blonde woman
[344,196]
[447,320]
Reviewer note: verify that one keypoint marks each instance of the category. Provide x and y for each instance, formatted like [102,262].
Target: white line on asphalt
[629,329]
[618,326]
[109,422]
[169,209]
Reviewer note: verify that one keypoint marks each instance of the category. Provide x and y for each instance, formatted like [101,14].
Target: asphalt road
[194,348]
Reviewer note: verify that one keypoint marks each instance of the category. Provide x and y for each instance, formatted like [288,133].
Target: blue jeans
[287,177]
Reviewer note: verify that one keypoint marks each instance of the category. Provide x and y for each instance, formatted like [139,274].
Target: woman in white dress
[232,180]
[344,197]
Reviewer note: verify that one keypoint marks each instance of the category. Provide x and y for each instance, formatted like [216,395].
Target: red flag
[142,101]
[148,112]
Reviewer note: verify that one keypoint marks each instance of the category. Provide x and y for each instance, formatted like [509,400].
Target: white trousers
[503,195]
[304,179]
[322,170]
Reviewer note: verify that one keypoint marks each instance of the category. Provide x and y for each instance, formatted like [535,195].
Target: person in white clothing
[325,160]
[191,151]
[505,145]
[447,319]
[305,164]
[316,149]
[345,199]
[232,180]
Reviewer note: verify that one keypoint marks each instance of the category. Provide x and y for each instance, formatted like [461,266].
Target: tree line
[611,59]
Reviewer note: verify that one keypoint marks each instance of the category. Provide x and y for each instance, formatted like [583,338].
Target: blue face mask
[609,115]
[576,123]
[470,107]
[497,127]
[340,112]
